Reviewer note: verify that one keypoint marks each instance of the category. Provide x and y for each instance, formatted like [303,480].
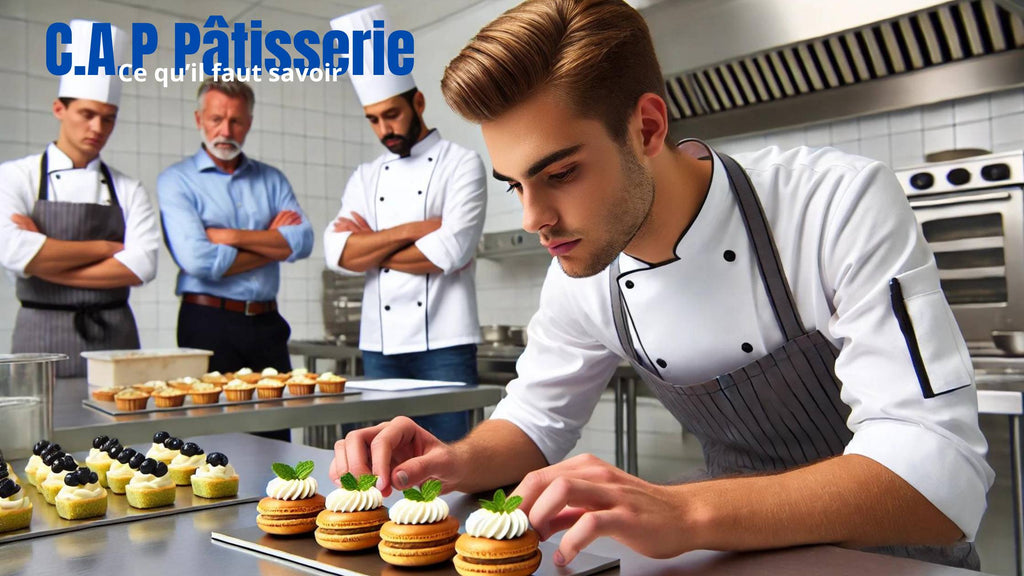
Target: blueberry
[51,449]
[148,466]
[3,472]
[52,457]
[160,436]
[69,462]
[93,478]
[56,467]
[137,460]
[114,451]
[217,459]
[110,443]
[98,441]
[72,479]
[126,455]
[40,447]
[8,488]
[173,443]
[191,449]
[161,469]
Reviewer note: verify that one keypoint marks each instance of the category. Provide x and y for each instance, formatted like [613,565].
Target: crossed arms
[256,248]
[393,248]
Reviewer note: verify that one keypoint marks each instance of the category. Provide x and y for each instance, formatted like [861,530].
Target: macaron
[350,531]
[287,517]
[491,557]
[418,544]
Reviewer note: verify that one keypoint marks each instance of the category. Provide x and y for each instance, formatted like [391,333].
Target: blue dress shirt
[195,194]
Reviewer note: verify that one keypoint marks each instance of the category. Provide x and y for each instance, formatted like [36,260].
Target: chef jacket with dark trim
[403,313]
[844,231]
[19,188]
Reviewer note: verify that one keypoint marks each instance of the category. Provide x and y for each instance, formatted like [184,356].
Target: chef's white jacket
[843,229]
[401,312]
[19,190]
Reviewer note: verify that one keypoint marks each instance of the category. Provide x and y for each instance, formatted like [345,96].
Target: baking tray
[111,407]
[45,520]
[305,551]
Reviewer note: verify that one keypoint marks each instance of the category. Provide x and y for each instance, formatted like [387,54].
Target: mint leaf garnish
[349,482]
[303,469]
[430,489]
[283,471]
[500,505]
[412,494]
[366,481]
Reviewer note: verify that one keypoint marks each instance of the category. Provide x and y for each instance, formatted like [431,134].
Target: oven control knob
[922,180]
[995,172]
[958,176]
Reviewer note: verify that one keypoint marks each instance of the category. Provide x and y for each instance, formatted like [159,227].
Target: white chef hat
[100,87]
[369,87]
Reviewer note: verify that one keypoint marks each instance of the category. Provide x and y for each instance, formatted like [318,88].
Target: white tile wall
[297,127]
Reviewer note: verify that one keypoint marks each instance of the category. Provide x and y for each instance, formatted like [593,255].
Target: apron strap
[44,179]
[768,263]
[619,313]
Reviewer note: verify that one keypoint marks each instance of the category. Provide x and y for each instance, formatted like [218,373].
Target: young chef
[786,310]
[75,232]
[410,220]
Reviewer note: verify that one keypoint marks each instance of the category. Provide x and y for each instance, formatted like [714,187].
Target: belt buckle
[247,312]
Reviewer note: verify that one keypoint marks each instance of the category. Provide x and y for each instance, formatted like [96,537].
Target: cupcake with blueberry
[81,496]
[165,447]
[15,507]
[55,479]
[6,470]
[498,539]
[184,464]
[151,486]
[121,471]
[216,478]
[35,461]
[99,459]
[52,453]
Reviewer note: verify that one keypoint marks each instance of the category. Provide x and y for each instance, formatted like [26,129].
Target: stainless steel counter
[75,425]
[180,544]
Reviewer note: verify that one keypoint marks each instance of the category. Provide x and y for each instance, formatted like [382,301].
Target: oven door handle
[966,198]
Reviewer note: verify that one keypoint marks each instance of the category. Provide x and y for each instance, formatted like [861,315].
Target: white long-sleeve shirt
[403,313]
[19,190]
[843,229]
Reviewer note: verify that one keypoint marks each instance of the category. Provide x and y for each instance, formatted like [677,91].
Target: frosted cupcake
[50,456]
[15,507]
[300,385]
[99,459]
[36,460]
[130,400]
[55,479]
[163,448]
[151,486]
[184,464]
[6,470]
[184,384]
[81,496]
[239,390]
[205,393]
[216,478]
[331,383]
[273,374]
[150,386]
[214,378]
[121,471]
[169,398]
[246,375]
[269,388]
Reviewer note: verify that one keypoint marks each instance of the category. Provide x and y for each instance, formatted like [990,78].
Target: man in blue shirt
[228,221]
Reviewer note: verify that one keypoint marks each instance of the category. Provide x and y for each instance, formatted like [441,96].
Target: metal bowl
[1009,341]
[494,334]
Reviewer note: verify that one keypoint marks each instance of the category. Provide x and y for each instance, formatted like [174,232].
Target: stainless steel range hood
[744,66]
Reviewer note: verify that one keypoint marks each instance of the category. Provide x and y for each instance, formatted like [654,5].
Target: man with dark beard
[410,220]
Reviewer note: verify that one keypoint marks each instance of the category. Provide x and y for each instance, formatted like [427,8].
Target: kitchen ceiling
[238,10]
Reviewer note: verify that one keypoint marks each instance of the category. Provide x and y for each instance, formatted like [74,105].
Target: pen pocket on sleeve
[931,334]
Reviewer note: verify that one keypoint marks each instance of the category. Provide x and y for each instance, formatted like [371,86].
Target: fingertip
[559,558]
[401,480]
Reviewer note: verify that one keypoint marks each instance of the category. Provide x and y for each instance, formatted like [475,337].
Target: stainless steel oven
[971,212]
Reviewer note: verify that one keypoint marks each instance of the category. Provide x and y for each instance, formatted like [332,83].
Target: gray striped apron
[67,320]
[780,411]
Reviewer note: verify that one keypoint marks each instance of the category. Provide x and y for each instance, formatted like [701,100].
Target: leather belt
[249,308]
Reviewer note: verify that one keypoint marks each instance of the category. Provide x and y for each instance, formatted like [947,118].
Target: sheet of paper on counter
[399,384]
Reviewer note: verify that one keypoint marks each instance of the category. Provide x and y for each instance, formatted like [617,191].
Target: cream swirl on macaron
[355,495]
[420,506]
[499,526]
[293,489]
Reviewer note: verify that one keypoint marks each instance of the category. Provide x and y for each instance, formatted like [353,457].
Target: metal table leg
[1017,482]
[620,459]
[631,428]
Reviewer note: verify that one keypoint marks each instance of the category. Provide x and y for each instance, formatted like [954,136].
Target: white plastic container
[127,367]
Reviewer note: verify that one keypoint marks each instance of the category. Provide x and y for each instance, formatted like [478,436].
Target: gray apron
[780,411]
[67,320]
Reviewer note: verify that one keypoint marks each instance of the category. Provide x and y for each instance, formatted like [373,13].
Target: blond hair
[597,55]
